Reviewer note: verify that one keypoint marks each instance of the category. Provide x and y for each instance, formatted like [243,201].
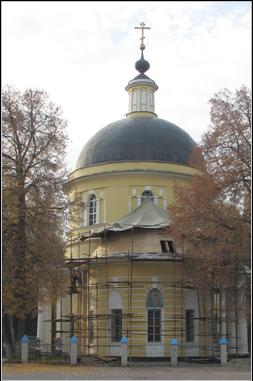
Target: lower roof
[147,216]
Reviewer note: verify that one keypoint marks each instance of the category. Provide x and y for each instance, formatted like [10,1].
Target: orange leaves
[34,142]
[212,213]
[227,146]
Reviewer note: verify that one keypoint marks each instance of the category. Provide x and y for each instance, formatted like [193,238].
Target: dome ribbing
[137,139]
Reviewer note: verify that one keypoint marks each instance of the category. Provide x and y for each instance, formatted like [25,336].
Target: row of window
[154,305]
[92,209]
[141,101]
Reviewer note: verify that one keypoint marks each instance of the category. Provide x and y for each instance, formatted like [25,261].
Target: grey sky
[83,55]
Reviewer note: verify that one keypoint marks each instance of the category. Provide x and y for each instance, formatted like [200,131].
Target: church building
[125,276]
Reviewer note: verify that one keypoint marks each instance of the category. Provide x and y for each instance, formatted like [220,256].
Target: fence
[33,350]
[58,351]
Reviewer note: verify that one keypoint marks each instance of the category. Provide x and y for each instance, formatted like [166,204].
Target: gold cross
[142,27]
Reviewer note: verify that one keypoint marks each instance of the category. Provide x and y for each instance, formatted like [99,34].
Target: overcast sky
[83,54]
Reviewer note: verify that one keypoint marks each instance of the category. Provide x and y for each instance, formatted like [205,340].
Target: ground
[239,369]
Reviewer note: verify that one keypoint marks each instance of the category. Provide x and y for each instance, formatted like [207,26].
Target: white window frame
[92,216]
[161,319]
[161,325]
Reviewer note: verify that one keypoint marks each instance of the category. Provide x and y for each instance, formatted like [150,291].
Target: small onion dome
[142,65]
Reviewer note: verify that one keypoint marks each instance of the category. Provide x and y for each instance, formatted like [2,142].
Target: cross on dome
[142,27]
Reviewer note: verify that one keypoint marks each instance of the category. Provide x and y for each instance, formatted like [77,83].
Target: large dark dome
[137,139]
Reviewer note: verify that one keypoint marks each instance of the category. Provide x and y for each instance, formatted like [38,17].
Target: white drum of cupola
[141,99]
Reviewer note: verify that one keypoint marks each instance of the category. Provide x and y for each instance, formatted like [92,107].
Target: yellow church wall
[142,273]
[166,277]
[118,193]
[82,249]
[169,168]
[169,276]
[138,241]
[118,188]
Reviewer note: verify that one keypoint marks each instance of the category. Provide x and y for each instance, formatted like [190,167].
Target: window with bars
[154,325]
[92,210]
[167,246]
[189,316]
[116,325]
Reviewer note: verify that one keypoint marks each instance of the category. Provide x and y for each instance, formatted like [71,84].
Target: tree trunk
[20,250]
[12,340]
[21,329]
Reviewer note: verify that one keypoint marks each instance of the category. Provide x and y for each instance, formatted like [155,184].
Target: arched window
[92,210]
[147,194]
[154,299]
[154,305]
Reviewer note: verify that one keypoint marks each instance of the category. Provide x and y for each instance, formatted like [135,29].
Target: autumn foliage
[34,206]
[212,215]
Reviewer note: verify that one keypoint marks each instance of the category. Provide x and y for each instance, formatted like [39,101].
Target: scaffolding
[89,317]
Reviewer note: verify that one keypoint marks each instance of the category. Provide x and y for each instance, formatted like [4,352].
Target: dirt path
[239,370]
